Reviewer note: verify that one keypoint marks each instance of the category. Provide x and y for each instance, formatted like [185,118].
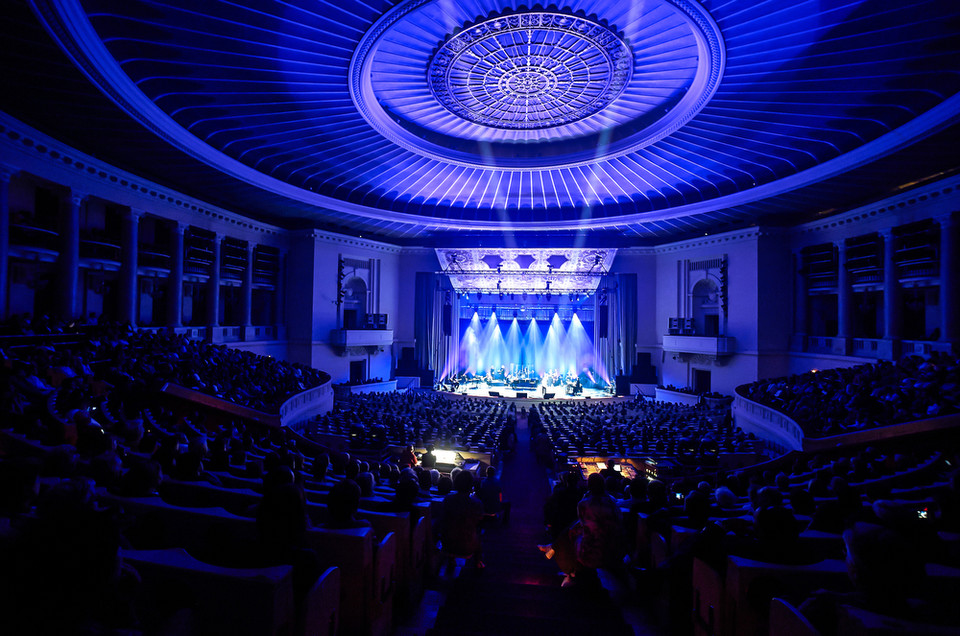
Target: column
[70,258]
[948,296]
[800,312]
[246,290]
[130,245]
[213,293]
[175,282]
[844,299]
[5,175]
[891,289]
[279,291]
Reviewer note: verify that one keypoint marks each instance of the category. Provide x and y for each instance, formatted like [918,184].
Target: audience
[837,401]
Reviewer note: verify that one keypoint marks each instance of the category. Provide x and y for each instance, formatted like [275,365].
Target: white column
[175,282]
[247,288]
[128,267]
[5,175]
[844,299]
[213,293]
[948,295]
[891,289]
[70,258]
[279,290]
[800,312]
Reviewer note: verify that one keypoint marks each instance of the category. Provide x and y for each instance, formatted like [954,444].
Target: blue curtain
[627,319]
[621,342]
[424,317]
[434,349]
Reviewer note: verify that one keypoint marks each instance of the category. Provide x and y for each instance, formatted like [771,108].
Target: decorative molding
[920,195]
[520,91]
[23,139]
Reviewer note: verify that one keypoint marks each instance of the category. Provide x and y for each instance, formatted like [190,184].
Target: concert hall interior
[428,317]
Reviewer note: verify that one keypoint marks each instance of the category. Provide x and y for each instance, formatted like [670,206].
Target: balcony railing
[100,251]
[704,345]
[35,237]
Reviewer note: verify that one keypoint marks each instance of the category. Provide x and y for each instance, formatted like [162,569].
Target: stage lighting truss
[503,284]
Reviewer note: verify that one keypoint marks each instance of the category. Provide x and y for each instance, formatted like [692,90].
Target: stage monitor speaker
[603,317]
[623,384]
[548,396]
[447,320]
[521,395]
[494,393]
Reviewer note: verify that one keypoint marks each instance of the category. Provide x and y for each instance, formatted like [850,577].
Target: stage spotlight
[570,296]
[479,295]
[501,295]
[549,295]
[524,296]
[513,296]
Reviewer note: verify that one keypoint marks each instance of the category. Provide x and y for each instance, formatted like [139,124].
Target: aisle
[519,591]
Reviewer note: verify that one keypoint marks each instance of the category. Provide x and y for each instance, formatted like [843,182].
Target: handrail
[307,405]
[220,404]
[777,429]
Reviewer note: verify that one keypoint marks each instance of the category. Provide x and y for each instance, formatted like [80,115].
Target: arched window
[706,308]
[354,303]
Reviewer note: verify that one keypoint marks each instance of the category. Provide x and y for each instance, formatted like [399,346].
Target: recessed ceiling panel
[664,117]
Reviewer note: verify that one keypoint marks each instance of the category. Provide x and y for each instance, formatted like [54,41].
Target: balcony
[700,345]
[360,341]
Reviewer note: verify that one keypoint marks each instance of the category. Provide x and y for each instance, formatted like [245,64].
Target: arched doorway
[706,308]
[354,303]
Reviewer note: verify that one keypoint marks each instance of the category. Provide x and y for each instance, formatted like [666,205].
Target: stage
[484,389]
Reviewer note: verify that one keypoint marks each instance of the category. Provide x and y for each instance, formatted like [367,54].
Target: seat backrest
[854,621]
[320,610]
[786,620]
[223,600]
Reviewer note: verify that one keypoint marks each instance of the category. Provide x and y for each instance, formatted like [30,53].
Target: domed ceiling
[661,116]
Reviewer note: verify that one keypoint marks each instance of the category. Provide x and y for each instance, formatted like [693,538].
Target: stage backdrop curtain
[622,341]
[432,348]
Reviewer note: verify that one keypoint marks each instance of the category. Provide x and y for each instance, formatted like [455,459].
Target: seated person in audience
[63,575]
[444,486]
[610,470]
[596,540]
[189,467]
[885,571]
[560,509]
[429,460]
[342,506]
[462,513]
[282,524]
[424,481]
[407,457]
[839,512]
[491,494]
[366,482]
[19,485]
[142,478]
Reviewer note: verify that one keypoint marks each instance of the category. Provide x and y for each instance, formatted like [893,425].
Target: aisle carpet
[519,590]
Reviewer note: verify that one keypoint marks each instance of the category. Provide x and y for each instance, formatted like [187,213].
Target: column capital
[251,246]
[135,214]
[218,237]
[180,228]
[840,244]
[944,219]
[7,172]
[886,233]
[78,198]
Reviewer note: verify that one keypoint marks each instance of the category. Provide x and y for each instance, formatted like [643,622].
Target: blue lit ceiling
[655,119]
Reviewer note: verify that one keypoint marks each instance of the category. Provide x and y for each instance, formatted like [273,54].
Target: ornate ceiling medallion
[530,70]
